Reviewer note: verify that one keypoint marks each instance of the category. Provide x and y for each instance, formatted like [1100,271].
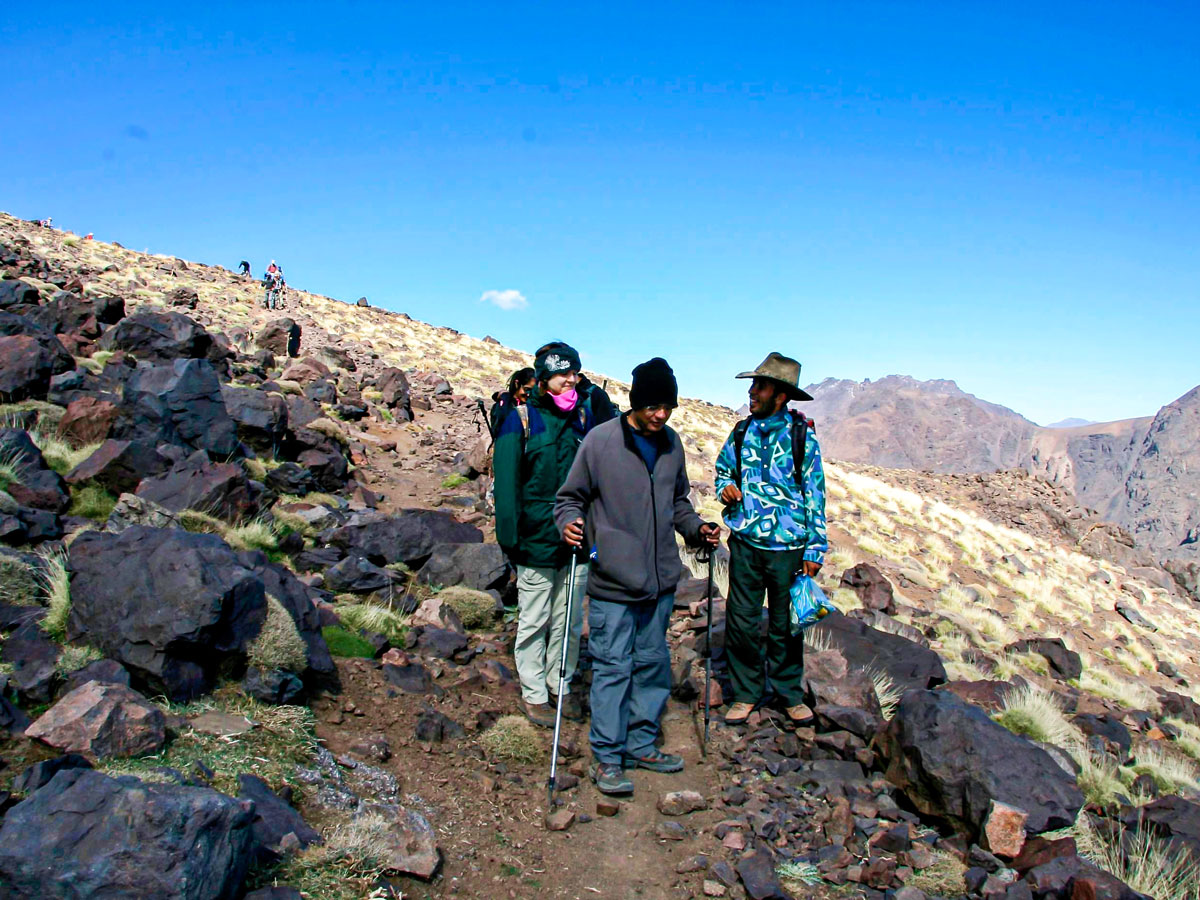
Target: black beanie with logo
[554,360]
[653,385]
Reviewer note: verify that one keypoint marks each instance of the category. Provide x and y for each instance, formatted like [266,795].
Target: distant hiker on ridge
[777,529]
[272,286]
[244,268]
[601,403]
[625,498]
[521,384]
[535,447]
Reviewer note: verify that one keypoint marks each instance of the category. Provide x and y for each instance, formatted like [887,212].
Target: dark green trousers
[751,660]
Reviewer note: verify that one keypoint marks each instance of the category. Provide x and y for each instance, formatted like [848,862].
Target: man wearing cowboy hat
[777,529]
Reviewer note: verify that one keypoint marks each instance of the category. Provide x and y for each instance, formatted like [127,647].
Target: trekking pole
[708,593]
[562,683]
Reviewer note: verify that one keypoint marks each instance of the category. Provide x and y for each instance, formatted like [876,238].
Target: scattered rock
[560,819]
[872,588]
[104,720]
[680,803]
[1004,829]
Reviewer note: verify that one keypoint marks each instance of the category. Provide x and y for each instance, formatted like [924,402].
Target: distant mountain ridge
[1143,473]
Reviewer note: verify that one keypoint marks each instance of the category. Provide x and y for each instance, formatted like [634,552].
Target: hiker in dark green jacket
[535,447]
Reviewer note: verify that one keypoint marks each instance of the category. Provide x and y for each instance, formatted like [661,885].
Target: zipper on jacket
[654,514]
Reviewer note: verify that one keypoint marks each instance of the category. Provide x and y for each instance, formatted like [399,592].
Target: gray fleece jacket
[630,514]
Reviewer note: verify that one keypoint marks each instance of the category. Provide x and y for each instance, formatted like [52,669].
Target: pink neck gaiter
[566,400]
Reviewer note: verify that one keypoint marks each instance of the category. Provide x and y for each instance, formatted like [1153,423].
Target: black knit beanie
[653,384]
[556,359]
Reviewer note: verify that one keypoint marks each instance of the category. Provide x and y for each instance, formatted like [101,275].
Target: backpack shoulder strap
[739,437]
[523,413]
[800,426]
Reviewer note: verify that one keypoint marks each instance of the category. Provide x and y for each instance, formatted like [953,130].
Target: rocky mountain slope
[255,641]
[1134,471]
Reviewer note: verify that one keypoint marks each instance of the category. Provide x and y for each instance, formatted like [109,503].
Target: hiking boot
[656,761]
[541,714]
[738,713]
[610,778]
[800,714]
[572,708]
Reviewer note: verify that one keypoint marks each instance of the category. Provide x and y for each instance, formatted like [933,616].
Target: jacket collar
[665,438]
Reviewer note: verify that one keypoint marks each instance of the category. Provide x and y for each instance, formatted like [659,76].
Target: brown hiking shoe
[738,713]
[541,714]
[572,708]
[800,714]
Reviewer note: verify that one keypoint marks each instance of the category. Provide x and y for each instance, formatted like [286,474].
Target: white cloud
[509,299]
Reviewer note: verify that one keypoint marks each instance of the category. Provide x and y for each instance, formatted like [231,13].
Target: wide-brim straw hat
[781,369]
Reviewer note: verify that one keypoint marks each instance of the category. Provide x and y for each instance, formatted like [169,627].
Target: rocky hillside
[1134,471]
[256,641]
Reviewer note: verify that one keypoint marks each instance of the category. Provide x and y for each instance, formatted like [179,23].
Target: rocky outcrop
[219,489]
[953,761]
[408,536]
[169,605]
[120,837]
[908,664]
[159,338]
[178,403]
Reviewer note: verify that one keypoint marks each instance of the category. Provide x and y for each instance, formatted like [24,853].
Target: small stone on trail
[560,820]
[605,807]
[670,831]
[713,889]
[566,781]
[697,863]
[680,803]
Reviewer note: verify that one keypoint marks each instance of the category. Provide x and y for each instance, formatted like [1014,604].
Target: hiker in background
[244,268]
[602,405]
[520,385]
[625,497]
[535,447]
[272,286]
[777,529]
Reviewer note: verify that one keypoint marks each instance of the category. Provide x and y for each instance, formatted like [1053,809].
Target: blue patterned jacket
[773,514]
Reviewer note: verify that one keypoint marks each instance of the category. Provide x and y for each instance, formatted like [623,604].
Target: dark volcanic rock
[179,403]
[908,664]
[1109,729]
[355,575]
[1174,819]
[220,489]
[274,686]
[87,420]
[1065,663]
[33,657]
[159,338]
[952,760]
[261,417]
[13,325]
[757,871]
[478,566]
[38,486]
[289,478]
[25,369]
[16,293]
[40,773]
[281,336]
[119,466]
[408,536]
[120,837]
[397,395]
[872,588]
[274,819]
[170,605]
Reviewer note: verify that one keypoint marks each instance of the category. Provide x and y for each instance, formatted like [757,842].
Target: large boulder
[179,403]
[908,664]
[872,588]
[33,660]
[25,369]
[261,417]
[1064,662]
[356,575]
[102,720]
[397,394]
[220,489]
[478,566]
[13,325]
[274,819]
[87,420]
[281,336]
[952,761]
[37,485]
[408,536]
[120,466]
[16,294]
[1172,819]
[159,338]
[121,837]
[170,605]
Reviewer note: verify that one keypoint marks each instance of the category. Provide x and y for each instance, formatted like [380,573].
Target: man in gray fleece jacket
[624,497]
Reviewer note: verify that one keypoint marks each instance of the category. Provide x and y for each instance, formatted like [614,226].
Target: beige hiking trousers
[541,624]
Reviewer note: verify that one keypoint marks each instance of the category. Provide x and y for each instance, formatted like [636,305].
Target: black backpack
[800,426]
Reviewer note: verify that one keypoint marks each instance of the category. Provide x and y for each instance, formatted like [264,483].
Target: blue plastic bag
[809,604]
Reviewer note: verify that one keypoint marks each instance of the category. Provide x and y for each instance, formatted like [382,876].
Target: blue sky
[1005,195]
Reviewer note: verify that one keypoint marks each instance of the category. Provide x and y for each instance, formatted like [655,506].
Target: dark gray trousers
[631,675]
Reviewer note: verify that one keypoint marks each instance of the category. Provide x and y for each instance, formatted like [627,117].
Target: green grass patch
[19,585]
[453,480]
[72,658]
[342,642]
[366,616]
[91,501]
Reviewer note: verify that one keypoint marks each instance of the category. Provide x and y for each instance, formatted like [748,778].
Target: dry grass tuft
[57,585]
[255,535]
[1140,859]
[476,609]
[514,738]
[19,585]
[72,658]
[1037,714]
[1171,773]
[365,616]
[278,645]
